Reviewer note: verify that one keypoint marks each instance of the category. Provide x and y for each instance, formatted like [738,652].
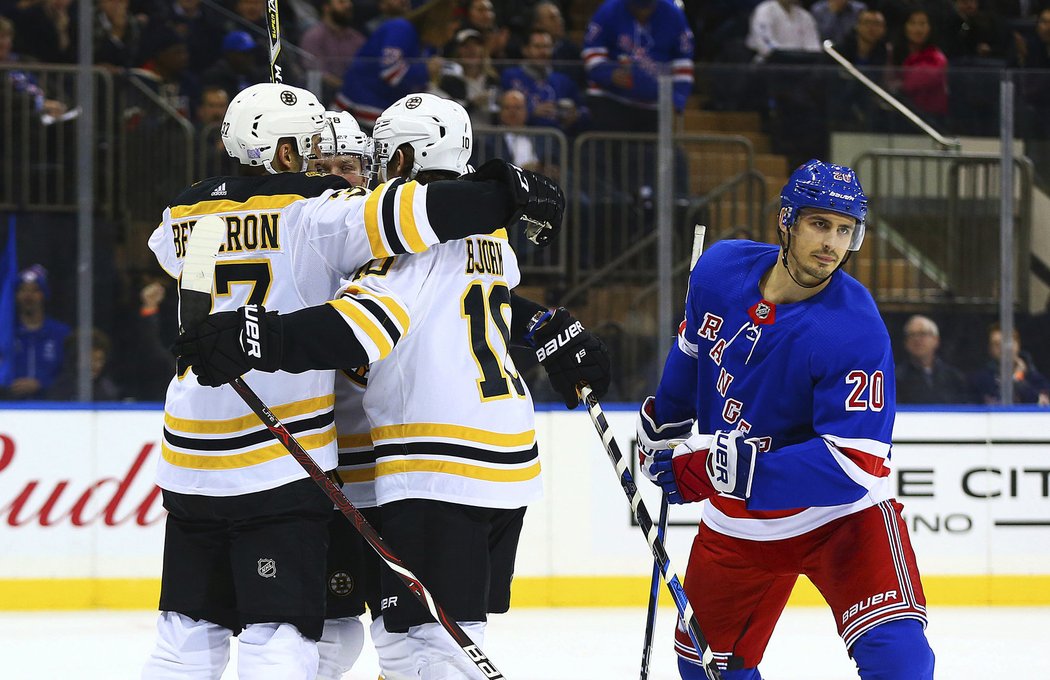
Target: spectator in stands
[1037,336]
[38,352]
[546,16]
[854,107]
[66,387]
[148,379]
[212,108]
[519,149]
[333,42]
[866,44]
[836,18]
[552,97]
[922,376]
[45,31]
[922,68]
[388,9]
[628,42]
[118,34]
[470,79]
[401,57]
[1034,114]
[782,25]
[242,64]
[973,33]
[166,70]
[199,25]
[480,15]
[1030,386]
[209,115]
[22,82]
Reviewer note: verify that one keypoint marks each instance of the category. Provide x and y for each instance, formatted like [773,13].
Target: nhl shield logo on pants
[267,567]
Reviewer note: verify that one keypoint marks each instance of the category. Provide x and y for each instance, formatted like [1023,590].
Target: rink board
[81,524]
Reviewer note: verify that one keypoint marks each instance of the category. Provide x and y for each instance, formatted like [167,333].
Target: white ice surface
[557,644]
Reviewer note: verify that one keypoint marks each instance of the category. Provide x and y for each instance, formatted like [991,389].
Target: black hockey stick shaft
[645,522]
[654,595]
[273,32]
[194,305]
[699,233]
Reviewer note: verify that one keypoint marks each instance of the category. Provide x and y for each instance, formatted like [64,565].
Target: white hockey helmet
[262,114]
[438,130]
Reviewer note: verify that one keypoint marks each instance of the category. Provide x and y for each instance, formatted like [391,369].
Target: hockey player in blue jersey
[784,366]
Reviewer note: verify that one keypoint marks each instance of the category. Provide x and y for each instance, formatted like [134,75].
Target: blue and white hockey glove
[722,463]
[653,437]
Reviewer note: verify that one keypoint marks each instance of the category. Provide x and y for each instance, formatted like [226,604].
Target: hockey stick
[273,32]
[198,274]
[641,514]
[699,232]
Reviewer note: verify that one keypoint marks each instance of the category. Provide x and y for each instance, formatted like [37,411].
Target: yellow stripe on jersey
[402,465]
[375,237]
[366,322]
[223,206]
[231,425]
[357,476]
[500,234]
[408,220]
[242,460]
[443,430]
[393,306]
[355,441]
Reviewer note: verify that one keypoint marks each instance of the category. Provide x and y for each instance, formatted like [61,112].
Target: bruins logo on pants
[341,584]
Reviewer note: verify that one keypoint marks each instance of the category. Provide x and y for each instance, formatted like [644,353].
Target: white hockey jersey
[357,460]
[291,239]
[450,418]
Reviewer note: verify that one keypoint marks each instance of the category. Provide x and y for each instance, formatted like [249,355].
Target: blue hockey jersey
[811,382]
[614,39]
[390,65]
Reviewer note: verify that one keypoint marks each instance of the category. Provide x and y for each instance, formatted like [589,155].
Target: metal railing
[934,219]
[543,150]
[37,151]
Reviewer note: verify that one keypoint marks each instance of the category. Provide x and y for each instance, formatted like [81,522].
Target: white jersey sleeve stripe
[248,422]
[265,454]
[872,447]
[390,433]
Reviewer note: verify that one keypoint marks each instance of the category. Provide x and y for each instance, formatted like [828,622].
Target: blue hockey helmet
[816,184]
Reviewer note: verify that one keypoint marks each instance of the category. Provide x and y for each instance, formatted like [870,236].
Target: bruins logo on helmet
[288,98]
[413,102]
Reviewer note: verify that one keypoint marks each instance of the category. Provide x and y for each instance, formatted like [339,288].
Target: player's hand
[704,465]
[571,355]
[227,345]
[539,200]
[656,437]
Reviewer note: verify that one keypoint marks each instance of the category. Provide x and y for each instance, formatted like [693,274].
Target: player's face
[819,242]
[349,168]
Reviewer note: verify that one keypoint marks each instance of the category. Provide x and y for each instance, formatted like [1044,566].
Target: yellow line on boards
[529,591]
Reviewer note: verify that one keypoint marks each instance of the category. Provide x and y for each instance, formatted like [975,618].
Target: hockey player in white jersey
[246,533]
[344,150]
[455,457]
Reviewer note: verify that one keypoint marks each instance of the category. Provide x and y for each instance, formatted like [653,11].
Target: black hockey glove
[540,201]
[227,345]
[571,354]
